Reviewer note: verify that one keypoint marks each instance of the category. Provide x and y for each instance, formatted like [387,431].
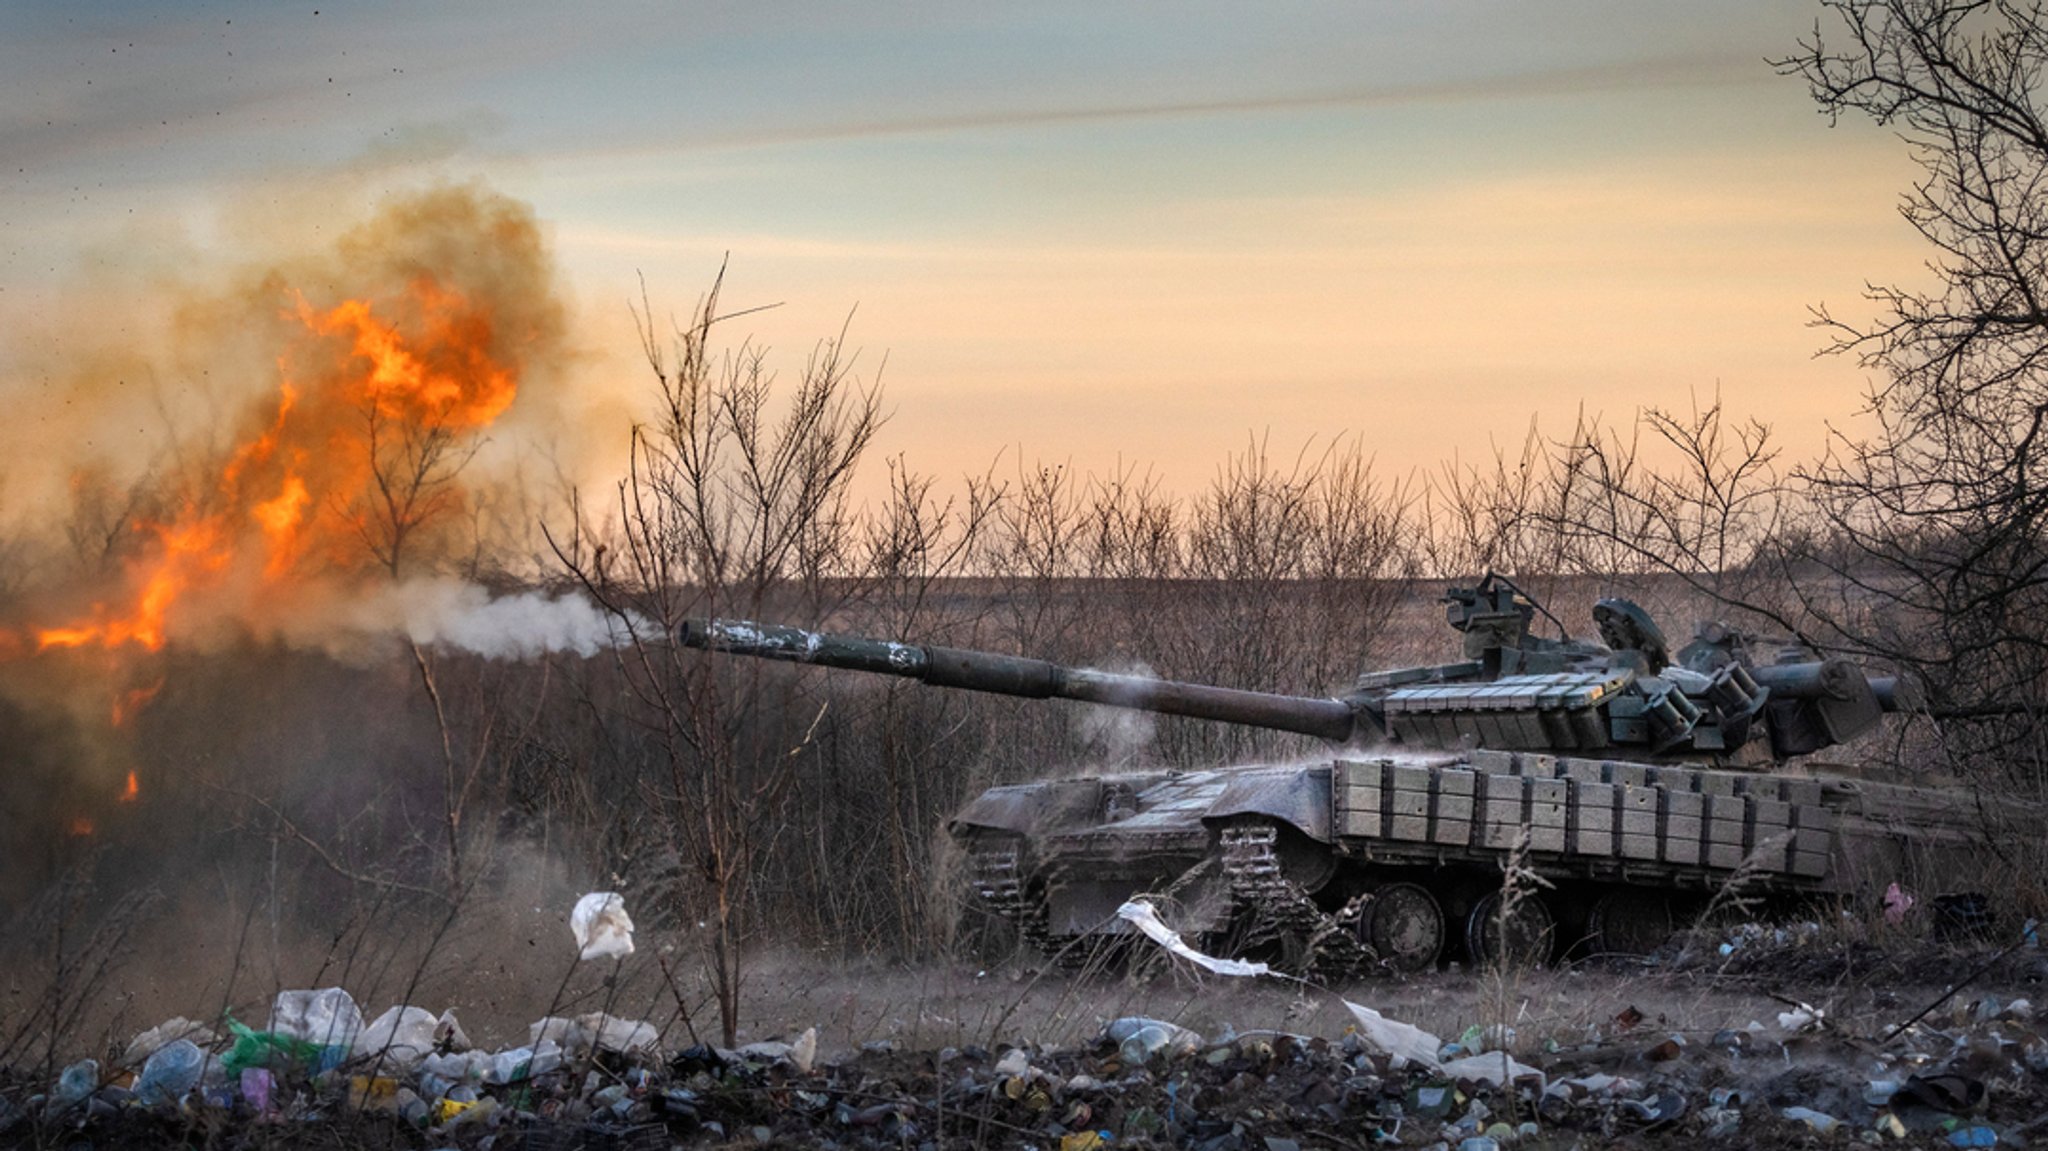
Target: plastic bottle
[257,1083]
[1820,1121]
[434,1086]
[509,1066]
[78,1081]
[169,1073]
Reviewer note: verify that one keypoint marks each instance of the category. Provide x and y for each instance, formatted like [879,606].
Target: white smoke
[446,613]
[1115,736]
[451,614]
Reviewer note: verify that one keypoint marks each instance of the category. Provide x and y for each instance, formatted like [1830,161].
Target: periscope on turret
[1628,777]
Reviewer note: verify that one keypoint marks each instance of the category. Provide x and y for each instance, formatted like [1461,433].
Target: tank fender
[1299,796]
[1048,805]
[1028,808]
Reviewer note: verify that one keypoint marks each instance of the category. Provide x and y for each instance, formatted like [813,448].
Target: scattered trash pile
[317,1059]
[1974,1074]
[1962,1072]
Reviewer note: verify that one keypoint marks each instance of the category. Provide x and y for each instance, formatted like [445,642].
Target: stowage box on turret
[1621,774]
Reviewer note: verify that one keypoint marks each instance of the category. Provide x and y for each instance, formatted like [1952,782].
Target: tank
[1620,784]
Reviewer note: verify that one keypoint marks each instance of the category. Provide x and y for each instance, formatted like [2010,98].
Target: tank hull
[1610,850]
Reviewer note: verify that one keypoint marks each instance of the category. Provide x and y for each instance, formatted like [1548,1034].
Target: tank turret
[1513,691]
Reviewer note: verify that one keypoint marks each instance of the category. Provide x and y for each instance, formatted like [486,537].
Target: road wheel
[1522,937]
[1404,927]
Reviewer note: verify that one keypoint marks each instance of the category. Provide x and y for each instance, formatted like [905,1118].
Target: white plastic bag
[448,1033]
[146,1044]
[1493,1068]
[555,1029]
[802,1052]
[402,1036]
[611,1033]
[602,928]
[1395,1037]
[1145,918]
[326,1018]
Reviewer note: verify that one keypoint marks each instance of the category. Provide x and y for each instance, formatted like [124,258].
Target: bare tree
[103,515]
[1134,528]
[916,545]
[1704,503]
[736,497]
[1936,517]
[414,468]
[1483,519]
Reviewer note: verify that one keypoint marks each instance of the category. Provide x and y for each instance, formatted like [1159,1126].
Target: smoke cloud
[1115,736]
[241,470]
[451,614]
[297,443]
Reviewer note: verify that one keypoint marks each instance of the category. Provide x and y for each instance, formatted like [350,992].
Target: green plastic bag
[265,1049]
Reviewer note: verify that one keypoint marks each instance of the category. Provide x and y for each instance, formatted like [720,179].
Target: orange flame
[191,549]
[445,379]
[82,827]
[368,388]
[132,701]
[134,789]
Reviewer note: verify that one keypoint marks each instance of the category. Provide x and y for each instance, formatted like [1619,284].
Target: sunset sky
[1077,232]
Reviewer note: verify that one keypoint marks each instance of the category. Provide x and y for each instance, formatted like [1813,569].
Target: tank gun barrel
[1897,693]
[1836,679]
[1330,719]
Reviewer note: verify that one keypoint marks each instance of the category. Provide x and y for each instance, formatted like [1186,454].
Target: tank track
[1281,912]
[997,869]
